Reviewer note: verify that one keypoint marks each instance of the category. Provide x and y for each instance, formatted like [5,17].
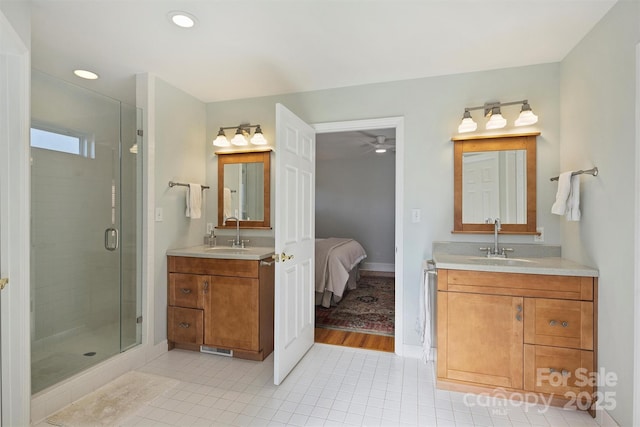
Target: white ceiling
[250,48]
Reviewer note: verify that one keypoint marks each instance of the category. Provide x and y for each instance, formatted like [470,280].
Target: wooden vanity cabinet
[221,303]
[517,333]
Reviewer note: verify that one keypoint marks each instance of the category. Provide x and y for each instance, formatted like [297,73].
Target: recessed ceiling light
[182,19]
[89,75]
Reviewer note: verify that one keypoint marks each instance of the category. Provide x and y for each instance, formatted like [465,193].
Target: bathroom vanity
[520,327]
[221,300]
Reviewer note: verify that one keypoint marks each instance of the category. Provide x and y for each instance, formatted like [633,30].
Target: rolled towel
[562,195]
[194,201]
[573,202]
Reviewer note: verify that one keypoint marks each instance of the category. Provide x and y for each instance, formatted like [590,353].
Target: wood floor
[354,339]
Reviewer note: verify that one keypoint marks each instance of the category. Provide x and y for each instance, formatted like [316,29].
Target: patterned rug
[368,309]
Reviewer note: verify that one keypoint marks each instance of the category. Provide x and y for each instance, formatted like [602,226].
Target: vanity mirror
[244,189]
[495,177]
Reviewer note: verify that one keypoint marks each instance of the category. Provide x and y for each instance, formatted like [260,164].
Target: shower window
[62,140]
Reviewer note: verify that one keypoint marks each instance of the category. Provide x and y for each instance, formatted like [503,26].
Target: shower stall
[85,229]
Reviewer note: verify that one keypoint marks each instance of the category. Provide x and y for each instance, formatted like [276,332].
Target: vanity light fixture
[496,120]
[240,138]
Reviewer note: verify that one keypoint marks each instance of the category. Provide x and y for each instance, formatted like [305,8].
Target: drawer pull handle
[564,323]
[184,325]
[186,291]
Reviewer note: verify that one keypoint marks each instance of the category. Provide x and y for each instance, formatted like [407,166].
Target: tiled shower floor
[65,357]
[331,386]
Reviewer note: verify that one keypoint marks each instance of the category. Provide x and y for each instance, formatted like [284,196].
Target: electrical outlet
[209,227]
[539,237]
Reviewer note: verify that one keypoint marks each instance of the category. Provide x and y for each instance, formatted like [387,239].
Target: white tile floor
[331,386]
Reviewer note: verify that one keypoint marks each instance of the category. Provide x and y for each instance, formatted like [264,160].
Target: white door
[294,241]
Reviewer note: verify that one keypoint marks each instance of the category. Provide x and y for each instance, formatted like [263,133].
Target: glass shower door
[85,229]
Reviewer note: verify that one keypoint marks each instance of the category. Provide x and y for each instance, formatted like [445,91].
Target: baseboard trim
[378,266]
[604,419]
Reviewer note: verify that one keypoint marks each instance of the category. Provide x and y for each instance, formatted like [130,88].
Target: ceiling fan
[380,144]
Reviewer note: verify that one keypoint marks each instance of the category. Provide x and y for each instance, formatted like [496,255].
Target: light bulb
[221,140]
[239,139]
[467,124]
[496,121]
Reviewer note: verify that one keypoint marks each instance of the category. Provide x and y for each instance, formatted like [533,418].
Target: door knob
[4,282]
[281,257]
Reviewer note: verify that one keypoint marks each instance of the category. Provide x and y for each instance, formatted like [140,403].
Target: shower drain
[91,353]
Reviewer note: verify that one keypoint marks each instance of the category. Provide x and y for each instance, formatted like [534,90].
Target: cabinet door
[480,338]
[231,314]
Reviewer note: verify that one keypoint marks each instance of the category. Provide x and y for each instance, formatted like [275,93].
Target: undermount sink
[499,261]
[226,249]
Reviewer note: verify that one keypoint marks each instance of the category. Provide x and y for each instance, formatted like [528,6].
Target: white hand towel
[227,202]
[562,195]
[573,203]
[194,201]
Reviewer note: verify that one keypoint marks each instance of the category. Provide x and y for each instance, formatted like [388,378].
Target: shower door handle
[111,239]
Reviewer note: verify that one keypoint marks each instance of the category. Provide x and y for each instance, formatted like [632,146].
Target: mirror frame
[482,143]
[245,157]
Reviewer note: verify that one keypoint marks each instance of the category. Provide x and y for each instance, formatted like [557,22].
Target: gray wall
[179,156]
[355,197]
[432,108]
[598,81]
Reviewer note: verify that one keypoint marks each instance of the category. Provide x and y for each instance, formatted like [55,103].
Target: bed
[337,260]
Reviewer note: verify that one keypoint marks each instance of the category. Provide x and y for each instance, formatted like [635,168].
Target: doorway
[367,135]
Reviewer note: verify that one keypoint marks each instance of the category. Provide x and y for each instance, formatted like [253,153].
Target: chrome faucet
[236,243]
[496,228]
[496,252]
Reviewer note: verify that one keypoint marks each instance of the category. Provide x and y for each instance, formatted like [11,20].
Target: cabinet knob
[565,324]
[205,287]
[186,291]
[552,323]
[184,325]
[518,317]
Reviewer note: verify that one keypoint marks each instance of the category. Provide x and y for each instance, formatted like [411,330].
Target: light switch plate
[209,227]
[539,237]
[415,215]
[159,215]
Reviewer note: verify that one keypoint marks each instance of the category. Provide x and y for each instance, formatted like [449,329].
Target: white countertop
[254,253]
[530,265]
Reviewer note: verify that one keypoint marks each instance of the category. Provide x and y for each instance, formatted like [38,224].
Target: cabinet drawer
[187,290]
[185,325]
[559,323]
[561,371]
[516,284]
[214,266]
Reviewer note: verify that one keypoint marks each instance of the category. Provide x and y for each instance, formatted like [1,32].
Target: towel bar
[593,171]
[172,184]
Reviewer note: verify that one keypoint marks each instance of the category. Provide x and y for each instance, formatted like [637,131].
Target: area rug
[370,308]
[114,402]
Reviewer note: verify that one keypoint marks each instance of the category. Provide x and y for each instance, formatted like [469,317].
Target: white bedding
[336,259]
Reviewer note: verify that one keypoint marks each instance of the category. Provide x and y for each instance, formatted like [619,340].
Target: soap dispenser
[212,239]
